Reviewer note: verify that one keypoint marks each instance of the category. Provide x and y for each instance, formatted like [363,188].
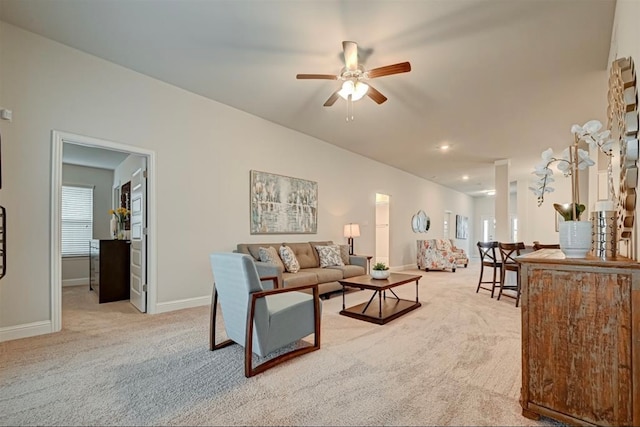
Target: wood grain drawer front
[568,312]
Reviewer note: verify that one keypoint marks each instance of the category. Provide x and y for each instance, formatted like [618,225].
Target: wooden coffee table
[388,307]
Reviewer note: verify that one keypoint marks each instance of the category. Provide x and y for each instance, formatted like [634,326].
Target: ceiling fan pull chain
[352,107]
[348,107]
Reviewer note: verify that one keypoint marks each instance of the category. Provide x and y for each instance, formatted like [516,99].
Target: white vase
[575,238]
[380,274]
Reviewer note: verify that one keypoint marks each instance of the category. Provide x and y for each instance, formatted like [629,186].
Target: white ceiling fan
[354,77]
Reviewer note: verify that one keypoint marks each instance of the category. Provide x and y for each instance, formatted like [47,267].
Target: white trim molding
[25,331]
[58,138]
[76,282]
[164,307]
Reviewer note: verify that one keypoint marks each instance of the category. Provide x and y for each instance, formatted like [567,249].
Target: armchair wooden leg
[316,318]
[249,370]
[212,329]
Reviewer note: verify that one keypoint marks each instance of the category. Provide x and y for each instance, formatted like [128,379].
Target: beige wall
[204,152]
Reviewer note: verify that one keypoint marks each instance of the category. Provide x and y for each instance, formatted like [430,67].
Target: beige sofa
[310,270]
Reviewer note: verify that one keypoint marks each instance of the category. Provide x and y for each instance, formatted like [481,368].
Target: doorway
[382,228]
[446,229]
[488,227]
[58,139]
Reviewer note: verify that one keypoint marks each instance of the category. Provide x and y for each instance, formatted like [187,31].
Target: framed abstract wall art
[462,227]
[282,204]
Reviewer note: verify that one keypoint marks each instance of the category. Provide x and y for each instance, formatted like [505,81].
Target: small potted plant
[380,271]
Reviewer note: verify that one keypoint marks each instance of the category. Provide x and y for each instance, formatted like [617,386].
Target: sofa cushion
[344,254]
[253,249]
[271,256]
[443,244]
[289,259]
[329,255]
[349,270]
[325,274]
[305,254]
[301,278]
[315,251]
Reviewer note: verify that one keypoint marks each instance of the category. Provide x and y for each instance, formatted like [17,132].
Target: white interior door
[138,293]
[382,229]
[488,228]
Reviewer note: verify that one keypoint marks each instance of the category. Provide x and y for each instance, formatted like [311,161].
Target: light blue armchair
[260,320]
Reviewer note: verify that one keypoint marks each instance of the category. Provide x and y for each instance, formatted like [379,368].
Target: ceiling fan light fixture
[356,89]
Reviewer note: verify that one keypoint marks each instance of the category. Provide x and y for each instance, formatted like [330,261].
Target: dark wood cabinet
[109,269]
[580,346]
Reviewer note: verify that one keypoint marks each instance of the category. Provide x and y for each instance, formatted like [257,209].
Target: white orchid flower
[541,169]
[583,159]
[564,167]
[592,126]
[544,180]
[549,180]
[607,146]
[590,133]
[539,191]
[547,155]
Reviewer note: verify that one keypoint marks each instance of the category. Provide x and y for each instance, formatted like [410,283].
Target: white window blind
[77,220]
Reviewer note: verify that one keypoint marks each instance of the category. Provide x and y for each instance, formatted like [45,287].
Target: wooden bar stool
[488,257]
[508,253]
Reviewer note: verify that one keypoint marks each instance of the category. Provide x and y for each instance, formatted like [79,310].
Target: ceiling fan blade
[350,55]
[374,94]
[317,76]
[402,67]
[332,99]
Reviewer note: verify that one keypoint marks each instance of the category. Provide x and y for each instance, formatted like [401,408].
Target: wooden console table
[580,339]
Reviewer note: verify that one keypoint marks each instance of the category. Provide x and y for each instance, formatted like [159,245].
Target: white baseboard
[25,331]
[163,307]
[76,282]
[404,267]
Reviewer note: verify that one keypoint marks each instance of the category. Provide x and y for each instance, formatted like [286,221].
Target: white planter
[380,274]
[575,238]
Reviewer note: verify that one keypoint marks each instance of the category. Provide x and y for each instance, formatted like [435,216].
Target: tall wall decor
[282,205]
[623,123]
[462,227]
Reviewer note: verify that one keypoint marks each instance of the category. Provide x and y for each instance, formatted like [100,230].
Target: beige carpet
[453,361]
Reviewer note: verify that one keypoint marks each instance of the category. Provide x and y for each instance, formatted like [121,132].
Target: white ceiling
[495,79]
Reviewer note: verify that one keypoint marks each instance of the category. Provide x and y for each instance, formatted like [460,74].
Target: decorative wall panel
[623,122]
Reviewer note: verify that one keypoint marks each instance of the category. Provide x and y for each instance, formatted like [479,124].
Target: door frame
[58,138]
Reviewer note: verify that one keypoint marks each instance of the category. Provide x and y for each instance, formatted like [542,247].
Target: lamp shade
[352,230]
[356,89]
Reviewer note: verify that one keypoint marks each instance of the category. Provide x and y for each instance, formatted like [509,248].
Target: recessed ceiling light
[491,193]
[465,177]
[444,147]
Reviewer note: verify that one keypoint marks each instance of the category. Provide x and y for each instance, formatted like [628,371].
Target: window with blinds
[77,220]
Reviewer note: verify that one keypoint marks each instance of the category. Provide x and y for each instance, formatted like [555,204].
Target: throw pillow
[271,256]
[289,259]
[329,255]
[344,254]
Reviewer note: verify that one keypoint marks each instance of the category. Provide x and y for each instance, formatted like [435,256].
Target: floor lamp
[351,230]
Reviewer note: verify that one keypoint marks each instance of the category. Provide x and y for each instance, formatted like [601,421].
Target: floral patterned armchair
[462,260]
[436,254]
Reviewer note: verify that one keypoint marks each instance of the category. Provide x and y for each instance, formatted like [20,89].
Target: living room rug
[453,361]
